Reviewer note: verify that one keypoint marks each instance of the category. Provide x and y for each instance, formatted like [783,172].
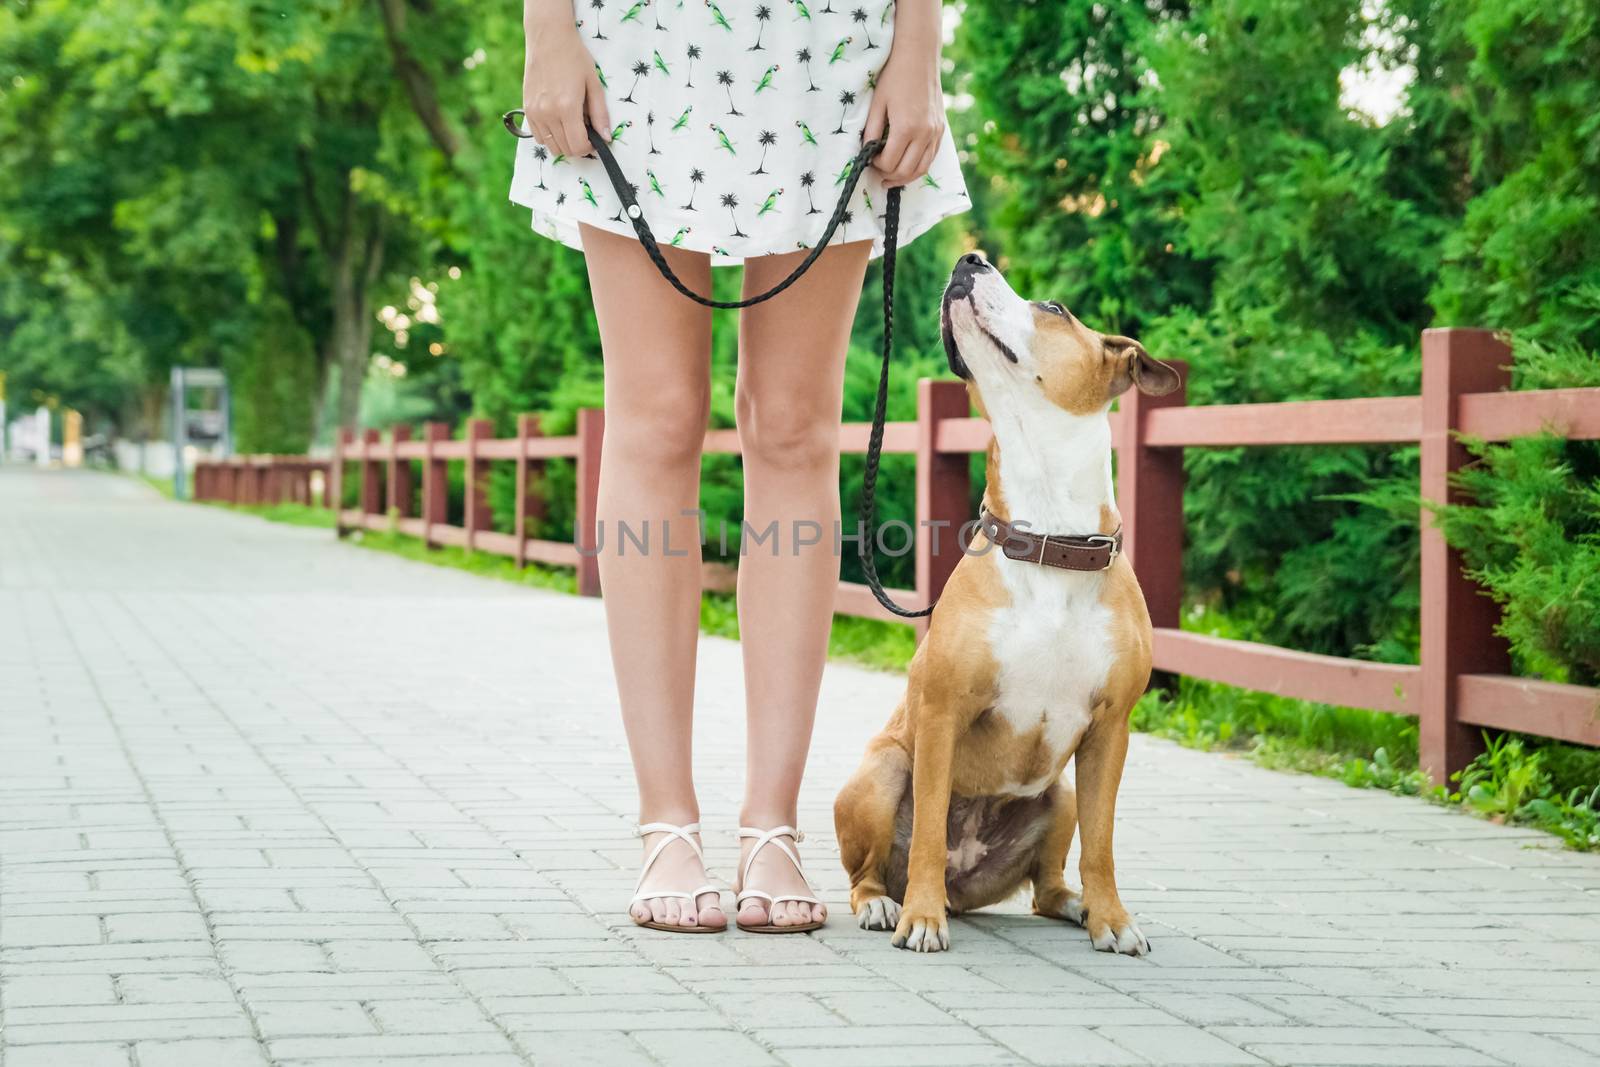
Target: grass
[1521,780]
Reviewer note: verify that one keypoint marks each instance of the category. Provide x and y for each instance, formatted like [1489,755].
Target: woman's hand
[559,85]
[908,97]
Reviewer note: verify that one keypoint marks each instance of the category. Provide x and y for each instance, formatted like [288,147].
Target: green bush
[1531,536]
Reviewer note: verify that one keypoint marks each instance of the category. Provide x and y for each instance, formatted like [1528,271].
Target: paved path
[269,798]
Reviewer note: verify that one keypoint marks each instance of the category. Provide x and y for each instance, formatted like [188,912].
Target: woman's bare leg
[657,349]
[788,399]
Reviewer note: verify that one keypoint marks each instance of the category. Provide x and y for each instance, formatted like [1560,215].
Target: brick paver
[270,799]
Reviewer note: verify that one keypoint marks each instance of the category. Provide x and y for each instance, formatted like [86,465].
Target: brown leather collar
[1072,552]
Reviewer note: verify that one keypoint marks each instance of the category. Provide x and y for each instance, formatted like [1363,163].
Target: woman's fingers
[595,107]
[894,151]
[877,116]
[914,161]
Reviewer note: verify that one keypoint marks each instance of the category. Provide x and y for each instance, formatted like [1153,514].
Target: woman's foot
[676,868]
[776,873]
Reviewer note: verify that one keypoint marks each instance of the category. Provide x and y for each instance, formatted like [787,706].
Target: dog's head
[1000,342]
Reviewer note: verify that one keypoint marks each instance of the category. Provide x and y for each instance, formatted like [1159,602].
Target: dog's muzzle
[968,267]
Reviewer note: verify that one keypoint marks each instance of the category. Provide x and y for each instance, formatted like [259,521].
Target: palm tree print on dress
[833,59]
[860,15]
[730,202]
[763,13]
[696,176]
[640,70]
[846,98]
[766,140]
[725,79]
[803,57]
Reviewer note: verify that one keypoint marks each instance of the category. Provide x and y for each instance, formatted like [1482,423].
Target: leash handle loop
[513,122]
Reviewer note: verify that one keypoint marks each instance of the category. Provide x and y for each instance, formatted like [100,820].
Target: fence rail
[1460,686]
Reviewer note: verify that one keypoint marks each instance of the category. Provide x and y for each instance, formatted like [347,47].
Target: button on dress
[736,121]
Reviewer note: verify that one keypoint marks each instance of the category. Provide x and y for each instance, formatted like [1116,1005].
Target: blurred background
[311,197]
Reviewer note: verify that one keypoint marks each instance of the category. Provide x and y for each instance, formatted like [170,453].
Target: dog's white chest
[1053,646]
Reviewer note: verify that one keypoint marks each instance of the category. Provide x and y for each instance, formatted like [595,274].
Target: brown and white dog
[961,799]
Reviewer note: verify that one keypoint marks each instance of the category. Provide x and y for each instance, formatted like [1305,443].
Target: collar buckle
[1113,543]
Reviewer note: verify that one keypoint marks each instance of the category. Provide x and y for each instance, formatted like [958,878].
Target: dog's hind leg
[864,819]
[1051,896]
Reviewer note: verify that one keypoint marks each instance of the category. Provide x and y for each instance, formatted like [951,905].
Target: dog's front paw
[1112,929]
[922,930]
[877,913]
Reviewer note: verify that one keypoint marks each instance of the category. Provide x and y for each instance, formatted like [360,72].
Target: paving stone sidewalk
[268,798]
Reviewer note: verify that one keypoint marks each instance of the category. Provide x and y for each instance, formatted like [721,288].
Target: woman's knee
[786,434]
[668,428]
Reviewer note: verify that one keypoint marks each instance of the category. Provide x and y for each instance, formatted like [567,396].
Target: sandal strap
[770,899]
[771,837]
[673,833]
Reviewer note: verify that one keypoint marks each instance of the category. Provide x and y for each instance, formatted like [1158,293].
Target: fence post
[335,487]
[435,482]
[944,488]
[1150,499]
[591,430]
[371,477]
[527,427]
[478,516]
[399,473]
[1458,620]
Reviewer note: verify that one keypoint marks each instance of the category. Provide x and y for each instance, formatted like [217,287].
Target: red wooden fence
[1460,686]
[263,480]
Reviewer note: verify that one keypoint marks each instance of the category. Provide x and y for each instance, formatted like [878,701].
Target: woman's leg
[657,349]
[788,400]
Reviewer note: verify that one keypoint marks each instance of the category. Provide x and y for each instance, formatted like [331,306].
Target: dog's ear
[1134,366]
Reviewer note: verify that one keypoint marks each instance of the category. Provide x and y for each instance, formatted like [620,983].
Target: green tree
[1077,193]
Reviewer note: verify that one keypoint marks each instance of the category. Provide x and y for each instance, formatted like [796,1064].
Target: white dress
[735,120]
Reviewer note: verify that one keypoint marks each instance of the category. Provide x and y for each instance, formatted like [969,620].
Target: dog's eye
[1054,308]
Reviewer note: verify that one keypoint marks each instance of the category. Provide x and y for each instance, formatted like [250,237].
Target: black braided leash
[513,121]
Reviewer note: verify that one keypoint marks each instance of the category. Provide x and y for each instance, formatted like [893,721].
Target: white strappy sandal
[679,833]
[763,839]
